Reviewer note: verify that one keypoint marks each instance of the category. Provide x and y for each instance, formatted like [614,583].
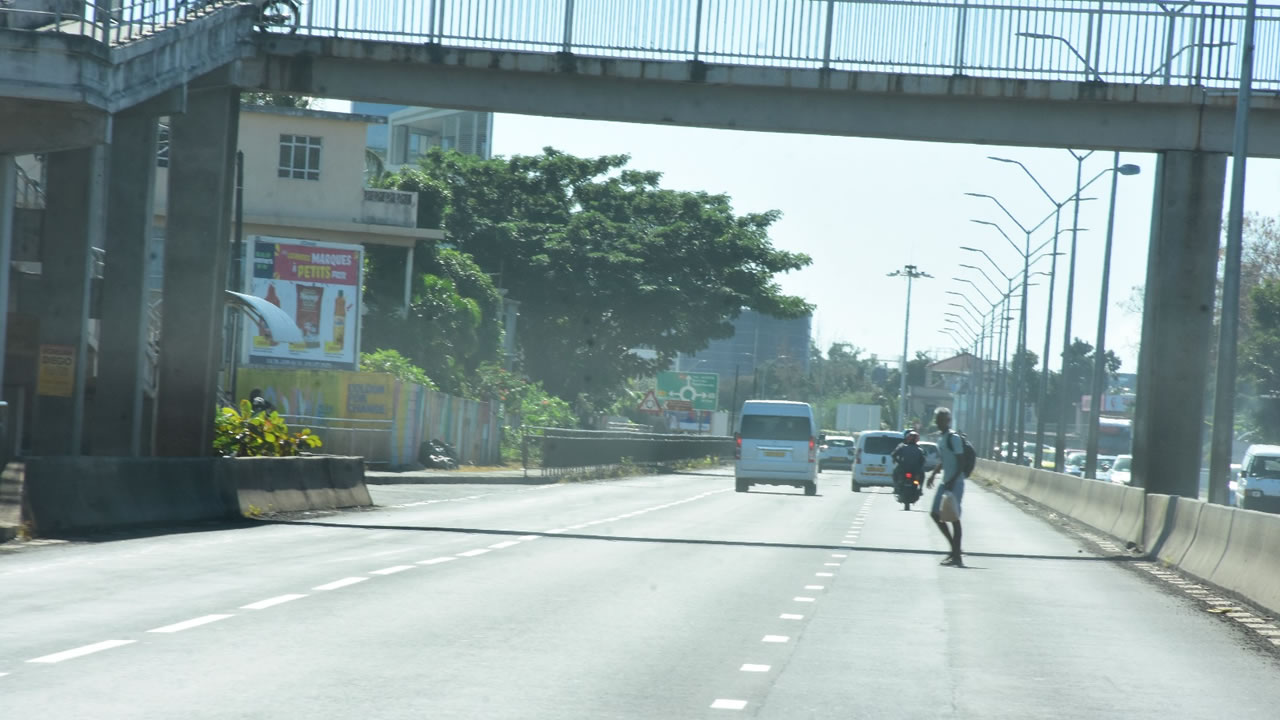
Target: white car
[777,444]
[1121,471]
[931,457]
[835,451]
[872,459]
[1259,485]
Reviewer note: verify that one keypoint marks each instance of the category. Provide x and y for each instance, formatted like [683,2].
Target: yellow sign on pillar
[57,371]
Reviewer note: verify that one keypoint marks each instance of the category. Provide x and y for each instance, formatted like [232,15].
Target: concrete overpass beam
[117,406]
[73,223]
[1177,321]
[202,145]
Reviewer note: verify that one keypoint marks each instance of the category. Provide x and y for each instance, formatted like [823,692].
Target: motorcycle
[438,455]
[907,490]
[279,16]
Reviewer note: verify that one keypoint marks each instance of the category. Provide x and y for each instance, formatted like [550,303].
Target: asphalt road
[655,597]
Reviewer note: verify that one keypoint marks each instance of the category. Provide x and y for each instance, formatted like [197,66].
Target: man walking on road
[951,450]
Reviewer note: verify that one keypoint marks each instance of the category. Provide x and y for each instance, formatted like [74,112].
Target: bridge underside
[1037,113]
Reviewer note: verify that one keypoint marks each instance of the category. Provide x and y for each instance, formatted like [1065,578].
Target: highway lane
[654,597]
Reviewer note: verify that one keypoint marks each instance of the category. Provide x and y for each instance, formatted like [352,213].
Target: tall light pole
[1099,348]
[1224,396]
[911,273]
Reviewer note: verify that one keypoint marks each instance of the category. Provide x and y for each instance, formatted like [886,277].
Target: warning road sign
[650,404]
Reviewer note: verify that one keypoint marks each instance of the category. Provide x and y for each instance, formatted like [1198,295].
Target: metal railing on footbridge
[1130,41]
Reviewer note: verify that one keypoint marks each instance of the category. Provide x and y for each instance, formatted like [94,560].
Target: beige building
[304,178]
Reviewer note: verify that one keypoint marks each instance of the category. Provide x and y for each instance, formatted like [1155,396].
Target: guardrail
[563,451]
[369,439]
[1188,43]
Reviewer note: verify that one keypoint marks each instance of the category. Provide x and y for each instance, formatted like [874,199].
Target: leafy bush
[244,433]
[393,363]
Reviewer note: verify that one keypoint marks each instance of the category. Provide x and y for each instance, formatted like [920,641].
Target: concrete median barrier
[1213,532]
[1098,504]
[65,495]
[1158,523]
[1250,564]
[1185,514]
[1131,519]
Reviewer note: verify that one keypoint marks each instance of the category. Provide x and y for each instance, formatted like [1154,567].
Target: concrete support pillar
[202,146]
[1177,322]
[8,198]
[73,224]
[117,405]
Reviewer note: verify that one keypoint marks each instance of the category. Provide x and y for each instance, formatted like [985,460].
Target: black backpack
[968,456]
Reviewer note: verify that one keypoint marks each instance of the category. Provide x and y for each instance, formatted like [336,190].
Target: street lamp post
[1224,397]
[1099,348]
[911,273]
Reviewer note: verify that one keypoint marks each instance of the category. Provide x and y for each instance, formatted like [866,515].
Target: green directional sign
[688,391]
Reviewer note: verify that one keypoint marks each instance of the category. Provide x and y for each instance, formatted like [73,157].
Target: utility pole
[910,272]
[1224,397]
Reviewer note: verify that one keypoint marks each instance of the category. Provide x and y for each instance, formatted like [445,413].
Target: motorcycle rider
[907,457]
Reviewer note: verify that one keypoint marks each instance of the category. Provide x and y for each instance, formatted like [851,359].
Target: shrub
[244,433]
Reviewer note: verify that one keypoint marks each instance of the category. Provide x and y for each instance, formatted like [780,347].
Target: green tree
[604,260]
[393,363]
[453,324]
[1260,360]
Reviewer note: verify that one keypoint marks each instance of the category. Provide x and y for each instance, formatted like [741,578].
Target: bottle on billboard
[272,297]
[339,322]
[310,298]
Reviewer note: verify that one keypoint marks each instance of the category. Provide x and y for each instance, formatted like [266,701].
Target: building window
[299,157]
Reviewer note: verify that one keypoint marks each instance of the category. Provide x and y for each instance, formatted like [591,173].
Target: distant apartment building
[758,341]
[409,132]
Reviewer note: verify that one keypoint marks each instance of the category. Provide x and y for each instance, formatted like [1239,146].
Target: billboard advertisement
[318,285]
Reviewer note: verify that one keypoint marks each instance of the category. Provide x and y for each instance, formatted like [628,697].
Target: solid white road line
[725,704]
[503,545]
[754,668]
[188,624]
[775,638]
[473,553]
[81,651]
[340,583]
[269,602]
[391,570]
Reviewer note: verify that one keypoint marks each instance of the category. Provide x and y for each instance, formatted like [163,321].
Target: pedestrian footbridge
[1130,75]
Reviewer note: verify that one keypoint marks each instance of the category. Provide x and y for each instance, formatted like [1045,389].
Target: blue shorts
[957,488]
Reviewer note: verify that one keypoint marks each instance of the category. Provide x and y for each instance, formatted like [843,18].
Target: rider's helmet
[913,437]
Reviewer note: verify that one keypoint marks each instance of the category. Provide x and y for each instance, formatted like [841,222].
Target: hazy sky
[862,208]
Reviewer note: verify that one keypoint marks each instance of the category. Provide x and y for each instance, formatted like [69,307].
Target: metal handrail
[1111,40]
[1076,40]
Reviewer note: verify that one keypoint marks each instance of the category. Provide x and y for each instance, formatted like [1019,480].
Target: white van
[873,458]
[777,445]
[1259,484]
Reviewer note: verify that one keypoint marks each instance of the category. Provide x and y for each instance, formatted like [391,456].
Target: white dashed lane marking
[81,651]
[803,599]
[344,582]
[791,616]
[473,553]
[271,602]
[725,704]
[839,555]
[391,570]
[814,587]
[504,545]
[188,624]
[774,638]
[754,668]
[437,561]
[824,574]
